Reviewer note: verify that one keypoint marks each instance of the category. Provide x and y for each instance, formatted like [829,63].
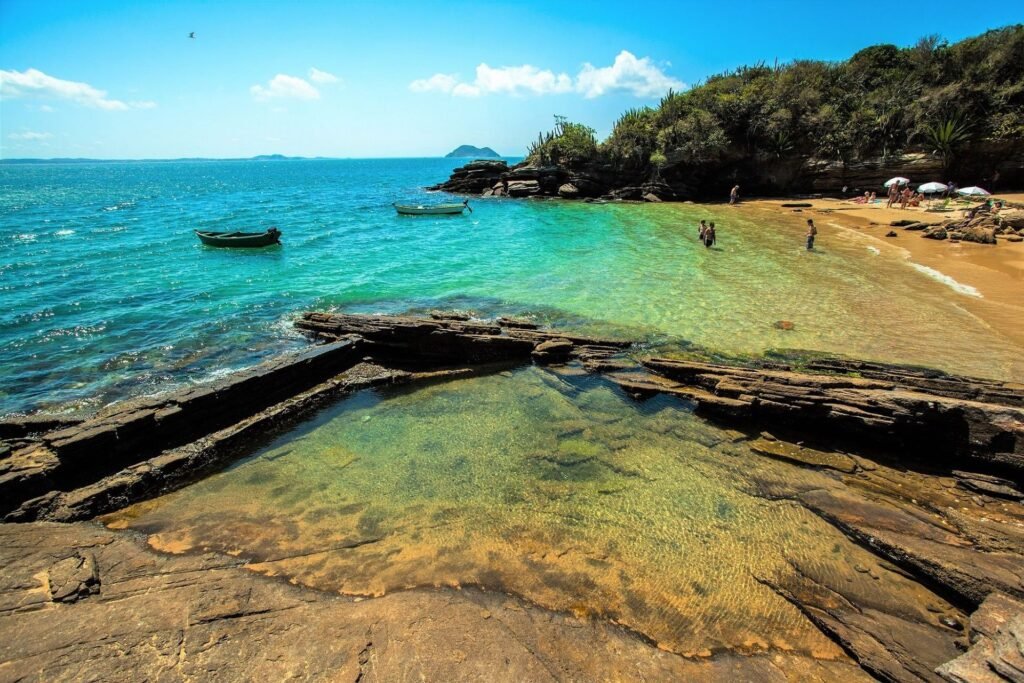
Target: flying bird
[192,35]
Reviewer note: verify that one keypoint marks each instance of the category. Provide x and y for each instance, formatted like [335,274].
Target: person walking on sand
[709,235]
[894,191]
[703,229]
[811,233]
[734,196]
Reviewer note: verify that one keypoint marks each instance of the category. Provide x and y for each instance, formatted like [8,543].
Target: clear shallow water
[554,487]
[106,291]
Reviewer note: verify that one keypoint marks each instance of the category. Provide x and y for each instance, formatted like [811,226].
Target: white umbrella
[898,180]
[973,191]
[932,188]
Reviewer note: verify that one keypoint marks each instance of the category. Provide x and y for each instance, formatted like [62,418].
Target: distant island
[471,151]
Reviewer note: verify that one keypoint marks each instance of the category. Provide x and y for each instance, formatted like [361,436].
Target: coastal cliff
[932,111]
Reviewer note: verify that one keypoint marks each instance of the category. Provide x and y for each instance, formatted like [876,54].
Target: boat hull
[436,210]
[238,239]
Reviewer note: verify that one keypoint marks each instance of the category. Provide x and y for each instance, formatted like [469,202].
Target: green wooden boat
[239,239]
[432,209]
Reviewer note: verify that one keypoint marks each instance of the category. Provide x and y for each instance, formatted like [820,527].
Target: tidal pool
[552,486]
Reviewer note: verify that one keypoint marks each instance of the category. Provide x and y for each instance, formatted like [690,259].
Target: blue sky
[108,79]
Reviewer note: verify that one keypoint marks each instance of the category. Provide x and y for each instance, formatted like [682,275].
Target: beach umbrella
[932,188]
[898,180]
[973,191]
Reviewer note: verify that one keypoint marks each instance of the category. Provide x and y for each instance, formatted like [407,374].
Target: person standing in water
[811,233]
[703,229]
[734,196]
[709,235]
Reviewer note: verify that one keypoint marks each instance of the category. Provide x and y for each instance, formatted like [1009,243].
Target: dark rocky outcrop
[132,431]
[783,176]
[924,415]
[474,177]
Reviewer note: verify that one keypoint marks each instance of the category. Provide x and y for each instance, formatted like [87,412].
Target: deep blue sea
[107,292]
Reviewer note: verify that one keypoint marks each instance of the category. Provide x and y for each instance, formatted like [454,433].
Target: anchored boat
[432,209]
[239,239]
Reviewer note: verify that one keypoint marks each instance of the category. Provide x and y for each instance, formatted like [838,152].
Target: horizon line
[267,157]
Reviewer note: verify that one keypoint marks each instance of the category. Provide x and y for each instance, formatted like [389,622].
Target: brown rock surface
[997,651]
[198,617]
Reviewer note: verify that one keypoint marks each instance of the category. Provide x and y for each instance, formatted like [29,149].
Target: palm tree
[946,137]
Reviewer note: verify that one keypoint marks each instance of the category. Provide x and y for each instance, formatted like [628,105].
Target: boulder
[1014,238]
[916,226]
[1013,221]
[935,233]
[523,188]
[891,233]
[651,197]
[568,191]
[981,235]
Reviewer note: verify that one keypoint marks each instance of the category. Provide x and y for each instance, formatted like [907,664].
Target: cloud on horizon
[33,82]
[639,77]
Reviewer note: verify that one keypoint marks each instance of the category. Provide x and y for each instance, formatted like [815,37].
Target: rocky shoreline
[922,469]
[604,182]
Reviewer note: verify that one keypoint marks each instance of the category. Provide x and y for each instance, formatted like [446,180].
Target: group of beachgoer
[905,197]
[706,233]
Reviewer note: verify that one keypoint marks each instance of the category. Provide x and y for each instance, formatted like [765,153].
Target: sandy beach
[996,273]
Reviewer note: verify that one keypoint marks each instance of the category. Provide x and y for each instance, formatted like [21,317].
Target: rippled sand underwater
[552,486]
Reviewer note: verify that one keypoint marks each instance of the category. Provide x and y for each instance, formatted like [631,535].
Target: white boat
[431,209]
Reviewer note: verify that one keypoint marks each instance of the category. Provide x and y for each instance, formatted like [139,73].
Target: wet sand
[996,272]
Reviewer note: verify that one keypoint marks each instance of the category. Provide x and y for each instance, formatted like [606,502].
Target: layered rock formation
[920,468]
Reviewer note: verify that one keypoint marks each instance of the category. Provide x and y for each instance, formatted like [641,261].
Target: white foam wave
[875,250]
[939,276]
[64,233]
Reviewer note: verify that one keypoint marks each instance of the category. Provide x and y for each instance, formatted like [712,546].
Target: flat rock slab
[800,455]
[199,617]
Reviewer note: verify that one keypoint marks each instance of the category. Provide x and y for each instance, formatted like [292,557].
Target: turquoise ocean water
[107,292]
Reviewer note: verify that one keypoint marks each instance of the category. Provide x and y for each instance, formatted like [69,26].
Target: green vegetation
[569,144]
[932,97]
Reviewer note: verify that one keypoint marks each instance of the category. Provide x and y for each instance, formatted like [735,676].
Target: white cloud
[15,84]
[318,76]
[283,85]
[441,82]
[30,135]
[516,80]
[47,108]
[640,77]
[145,104]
